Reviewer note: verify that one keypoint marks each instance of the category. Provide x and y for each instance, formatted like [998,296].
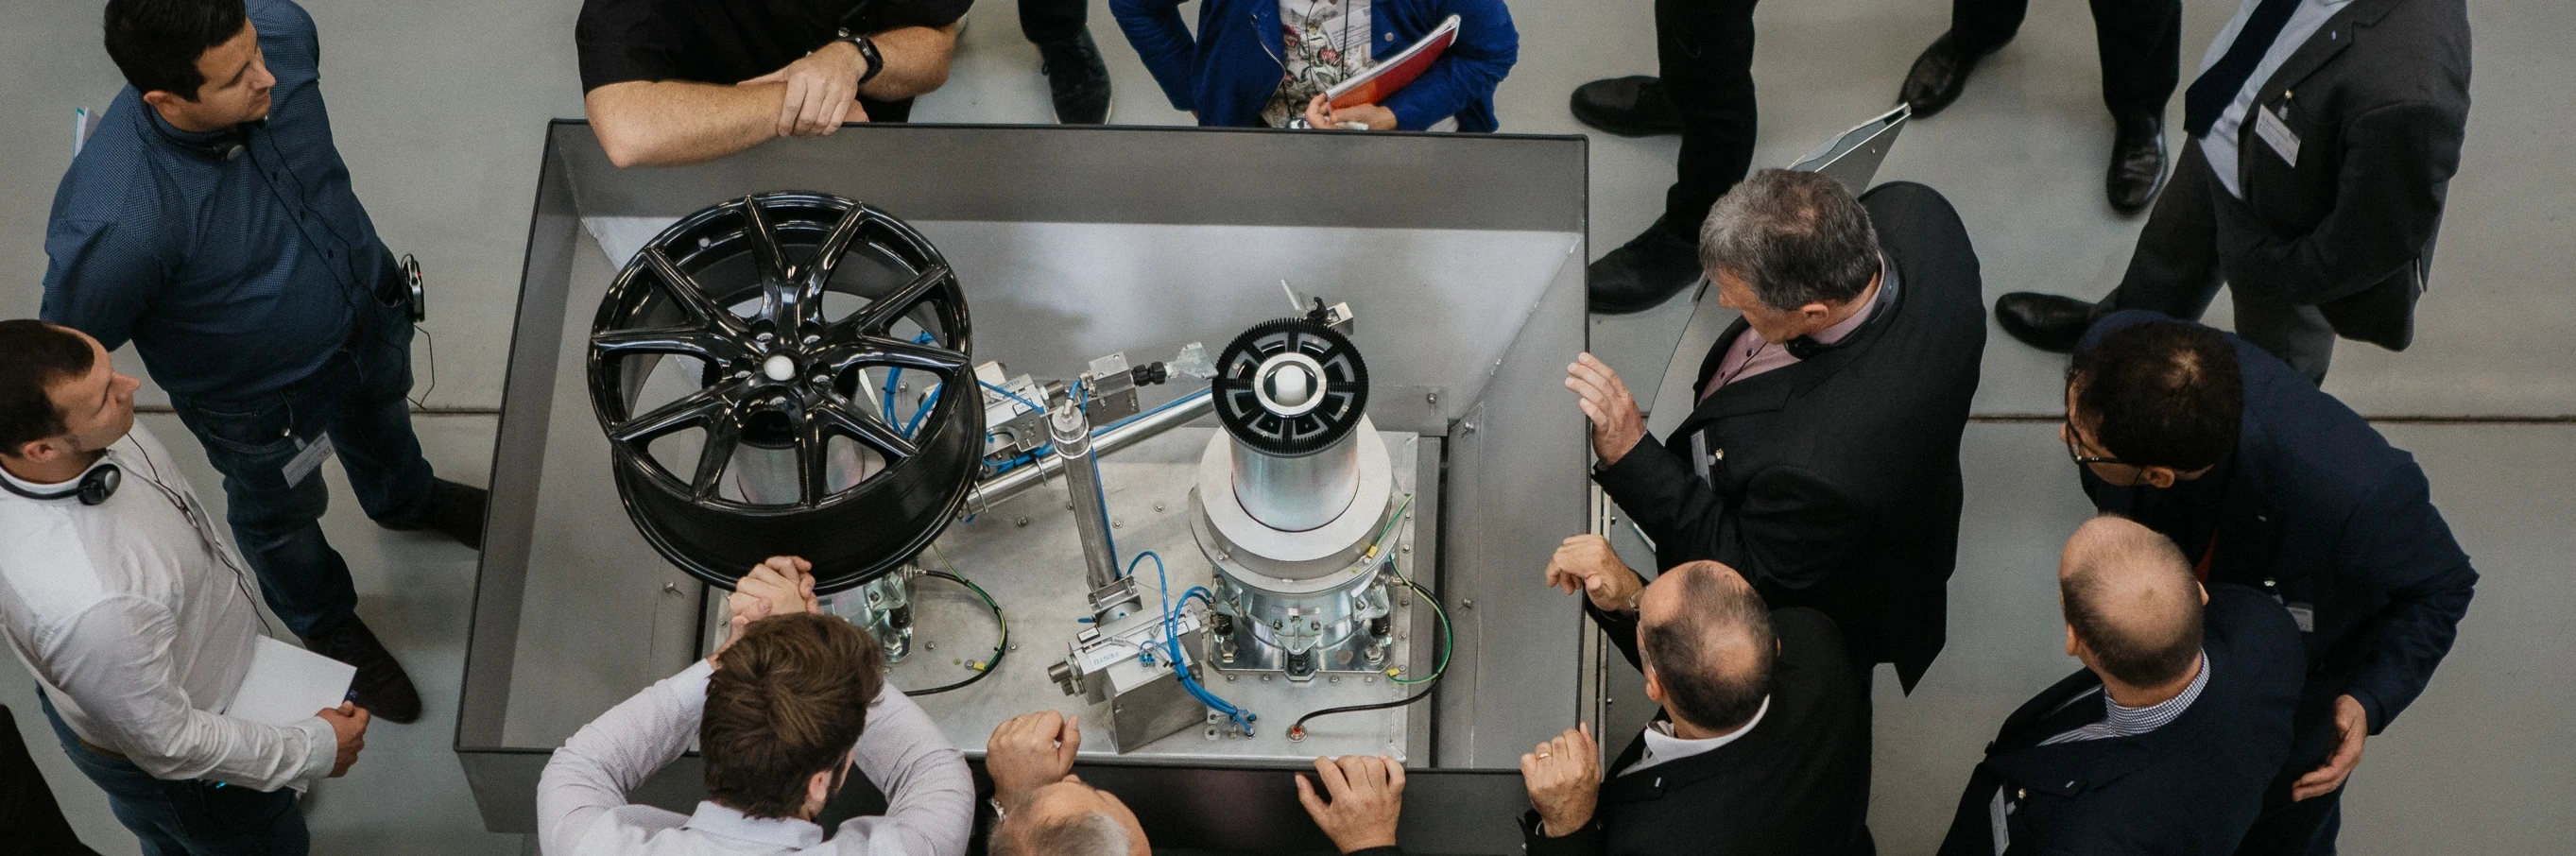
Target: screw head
[1022,522]
[1467,604]
[1118,523]
[1158,506]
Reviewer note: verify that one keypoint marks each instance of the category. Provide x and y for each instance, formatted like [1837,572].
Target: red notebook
[1391,73]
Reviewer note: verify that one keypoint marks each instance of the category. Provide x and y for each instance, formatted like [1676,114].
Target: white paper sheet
[286,684]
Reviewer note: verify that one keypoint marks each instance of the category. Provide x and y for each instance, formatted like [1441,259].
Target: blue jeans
[357,399]
[188,818]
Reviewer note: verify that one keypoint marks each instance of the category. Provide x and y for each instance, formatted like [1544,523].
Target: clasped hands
[822,90]
[779,586]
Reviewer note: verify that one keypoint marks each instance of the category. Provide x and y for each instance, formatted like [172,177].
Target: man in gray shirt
[782,711]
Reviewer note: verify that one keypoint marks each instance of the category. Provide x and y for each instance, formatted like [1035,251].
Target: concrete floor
[439,107]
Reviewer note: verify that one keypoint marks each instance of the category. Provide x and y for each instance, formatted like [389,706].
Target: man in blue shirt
[211,222]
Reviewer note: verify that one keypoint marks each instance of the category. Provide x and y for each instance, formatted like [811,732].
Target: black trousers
[1045,21]
[1704,51]
[30,820]
[2176,270]
[2140,40]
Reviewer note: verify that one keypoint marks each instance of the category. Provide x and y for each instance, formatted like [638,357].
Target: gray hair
[1795,237]
[1087,834]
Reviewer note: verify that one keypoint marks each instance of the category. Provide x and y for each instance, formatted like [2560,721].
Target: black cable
[1297,730]
[1000,647]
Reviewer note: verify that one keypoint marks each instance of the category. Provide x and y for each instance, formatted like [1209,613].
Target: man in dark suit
[1762,745]
[2324,134]
[1821,459]
[2164,742]
[2269,483]
[2141,46]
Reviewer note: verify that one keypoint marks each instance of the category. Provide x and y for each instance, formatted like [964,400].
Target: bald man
[2165,741]
[1043,809]
[1762,745]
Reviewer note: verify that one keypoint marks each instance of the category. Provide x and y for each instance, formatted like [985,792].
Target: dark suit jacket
[2378,99]
[1836,483]
[2192,786]
[1797,783]
[2322,513]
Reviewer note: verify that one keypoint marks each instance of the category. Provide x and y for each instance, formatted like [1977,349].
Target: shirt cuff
[322,751]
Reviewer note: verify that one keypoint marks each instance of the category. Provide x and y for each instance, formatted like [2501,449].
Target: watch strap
[868,51]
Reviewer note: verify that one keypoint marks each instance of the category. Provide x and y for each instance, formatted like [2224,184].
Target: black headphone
[232,145]
[95,486]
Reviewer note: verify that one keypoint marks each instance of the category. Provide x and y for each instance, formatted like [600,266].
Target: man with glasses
[2267,482]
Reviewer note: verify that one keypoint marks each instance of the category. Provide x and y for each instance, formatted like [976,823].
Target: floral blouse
[1327,41]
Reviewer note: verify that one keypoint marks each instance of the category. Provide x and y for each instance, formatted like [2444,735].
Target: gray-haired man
[1821,457]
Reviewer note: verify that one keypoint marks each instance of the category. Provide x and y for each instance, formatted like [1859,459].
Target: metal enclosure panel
[1462,253]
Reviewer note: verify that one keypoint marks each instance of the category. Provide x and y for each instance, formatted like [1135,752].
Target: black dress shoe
[382,687]
[1939,75]
[1077,80]
[1643,273]
[1632,106]
[2137,164]
[2045,321]
[454,510]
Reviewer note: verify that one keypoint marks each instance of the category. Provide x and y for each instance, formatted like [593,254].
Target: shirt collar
[785,832]
[1886,294]
[196,139]
[2125,720]
[1661,745]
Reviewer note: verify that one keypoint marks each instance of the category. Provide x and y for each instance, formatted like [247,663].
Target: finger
[1306,797]
[1394,774]
[363,718]
[1068,740]
[840,113]
[1529,766]
[1593,412]
[787,107]
[1334,782]
[772,77]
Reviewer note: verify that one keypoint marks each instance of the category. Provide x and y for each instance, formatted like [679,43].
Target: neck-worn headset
[101,482]
[95,486]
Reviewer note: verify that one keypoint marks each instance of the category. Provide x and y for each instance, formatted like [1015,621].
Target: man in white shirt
[781,712]
[137,621]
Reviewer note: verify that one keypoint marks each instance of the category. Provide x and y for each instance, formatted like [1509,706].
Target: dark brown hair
[35,355]
[787,700]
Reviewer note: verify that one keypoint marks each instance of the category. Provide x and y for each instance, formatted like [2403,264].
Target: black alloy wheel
[738,366]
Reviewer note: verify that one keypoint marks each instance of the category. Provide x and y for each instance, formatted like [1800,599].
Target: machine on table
[1303,504]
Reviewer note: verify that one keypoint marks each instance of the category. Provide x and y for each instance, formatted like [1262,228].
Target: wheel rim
[726,368]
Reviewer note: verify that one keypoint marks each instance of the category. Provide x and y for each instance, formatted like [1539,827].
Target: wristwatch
[867,51]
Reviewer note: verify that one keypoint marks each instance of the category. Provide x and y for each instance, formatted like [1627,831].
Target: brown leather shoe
[381,685]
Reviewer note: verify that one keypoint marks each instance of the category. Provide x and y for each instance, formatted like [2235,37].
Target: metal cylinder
[1071,432]
[1296,494]
[1120,435]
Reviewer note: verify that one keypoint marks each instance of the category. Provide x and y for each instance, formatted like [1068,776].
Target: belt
[99,749]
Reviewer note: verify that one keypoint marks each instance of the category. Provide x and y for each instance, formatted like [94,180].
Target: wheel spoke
[880,351]
[692,298]
[723,434]
[768,259]
[827,260]
[684,341]
[836,414]
[880,315]
[685,412]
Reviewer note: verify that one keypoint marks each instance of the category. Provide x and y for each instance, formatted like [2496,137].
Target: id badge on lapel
[2275,133]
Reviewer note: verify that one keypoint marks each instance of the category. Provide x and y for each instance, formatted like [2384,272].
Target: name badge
[307,461]
[2276,133]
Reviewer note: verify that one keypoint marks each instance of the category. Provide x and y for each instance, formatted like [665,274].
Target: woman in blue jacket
[1262,62]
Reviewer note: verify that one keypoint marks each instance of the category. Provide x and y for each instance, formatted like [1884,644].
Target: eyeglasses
[2066,432]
